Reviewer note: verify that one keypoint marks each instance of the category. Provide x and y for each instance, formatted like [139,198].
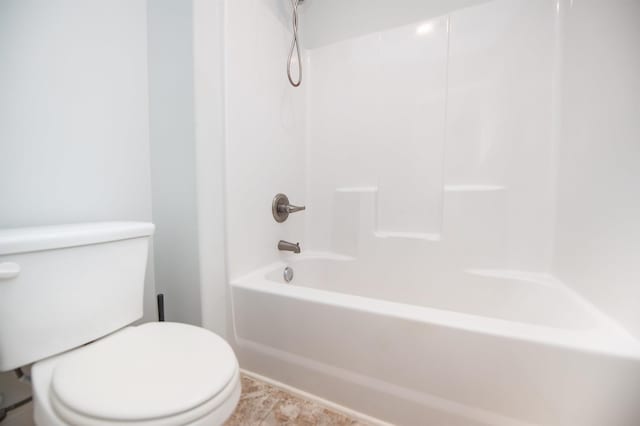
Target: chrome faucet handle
[281,208]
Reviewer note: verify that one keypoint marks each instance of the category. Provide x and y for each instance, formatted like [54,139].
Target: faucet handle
[290,208]
[281,208]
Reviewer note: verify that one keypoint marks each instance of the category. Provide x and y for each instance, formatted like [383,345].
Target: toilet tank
[64,286]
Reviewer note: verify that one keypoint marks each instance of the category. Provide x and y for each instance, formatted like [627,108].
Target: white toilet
[68,295]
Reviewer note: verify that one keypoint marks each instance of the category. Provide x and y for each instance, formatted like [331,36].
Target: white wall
[74,143]
[73,112]
[598,232]
[173,158]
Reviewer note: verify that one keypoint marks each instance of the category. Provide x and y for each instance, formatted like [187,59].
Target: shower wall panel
[376,118]
[499,122]
[441,117]
[265,133]
[598,236]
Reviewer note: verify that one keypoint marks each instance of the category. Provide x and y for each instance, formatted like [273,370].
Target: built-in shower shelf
[369,194]
[473,188]
[408,235]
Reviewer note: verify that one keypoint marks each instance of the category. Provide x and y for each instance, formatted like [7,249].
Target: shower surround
[447,152]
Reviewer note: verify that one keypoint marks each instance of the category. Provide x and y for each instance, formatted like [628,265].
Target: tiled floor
[260,405]
[264,405]
[22,416]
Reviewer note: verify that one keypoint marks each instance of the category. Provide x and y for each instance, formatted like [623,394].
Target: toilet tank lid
[23,240]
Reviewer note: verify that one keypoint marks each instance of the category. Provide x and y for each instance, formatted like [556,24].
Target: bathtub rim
[605,338]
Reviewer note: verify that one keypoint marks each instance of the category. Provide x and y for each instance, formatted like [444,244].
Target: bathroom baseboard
[355,415]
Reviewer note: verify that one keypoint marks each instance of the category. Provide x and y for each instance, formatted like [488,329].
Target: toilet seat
[212,412]
[156,373]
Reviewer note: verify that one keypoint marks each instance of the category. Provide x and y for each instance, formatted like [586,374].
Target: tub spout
[287,246]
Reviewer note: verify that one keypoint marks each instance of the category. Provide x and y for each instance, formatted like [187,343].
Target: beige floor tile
[264,405]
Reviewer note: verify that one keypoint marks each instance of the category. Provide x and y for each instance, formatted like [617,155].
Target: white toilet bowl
[153,374]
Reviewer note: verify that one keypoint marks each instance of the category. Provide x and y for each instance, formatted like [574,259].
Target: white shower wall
[376,107]
[439,135]
[449,113]
[598,237]
[424,111]
[265,133]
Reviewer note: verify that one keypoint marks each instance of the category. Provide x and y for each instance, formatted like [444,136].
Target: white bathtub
[516,349]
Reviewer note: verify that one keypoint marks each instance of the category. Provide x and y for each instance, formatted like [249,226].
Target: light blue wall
[173,158]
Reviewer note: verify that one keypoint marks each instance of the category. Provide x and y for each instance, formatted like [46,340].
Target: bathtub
[517,349]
